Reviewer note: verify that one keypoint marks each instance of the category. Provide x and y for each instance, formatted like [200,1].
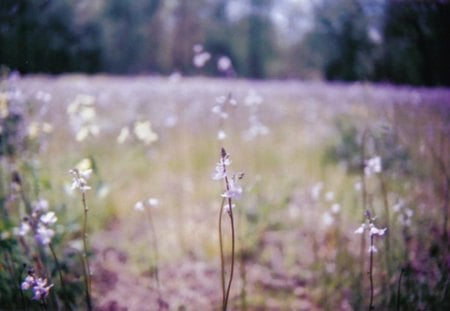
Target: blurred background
[403,42]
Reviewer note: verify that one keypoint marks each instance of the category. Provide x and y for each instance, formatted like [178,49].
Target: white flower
[220,170]
[49,218]
[221,135]
[139,206]
[153,202]
[27,283]
[372,249]
[335,208]
[316,189]
[44,235]
[144,132]
[80,179]
[223,64]
[23,229]
[329,196]
[327,219]
[201,59]
[39,206]
[375,231]
[361,229]
[373,166]
[234,190]
[123,135]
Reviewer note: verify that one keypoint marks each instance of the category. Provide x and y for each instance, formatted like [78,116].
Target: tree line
[397,41]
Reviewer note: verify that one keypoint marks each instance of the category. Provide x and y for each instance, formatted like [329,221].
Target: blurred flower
[372,166]
[124,134]
[38,285]
[253,98]
[335,208]
[80,179]
[44,234]
[224,64]
[197,48]
[153,202]
[329,196]
[372,249]
[139,206]
[23,229]
[315,190]
[234,190]
[143,131]
[327,219]
[49,218]
[201,59]
[39,206]
[220,170]
[221,135]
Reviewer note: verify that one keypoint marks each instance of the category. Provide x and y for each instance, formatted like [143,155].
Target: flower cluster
[80,178]
[233,188]
[373,231]
[38,285]
[373,166]
[82,115]
[40,221]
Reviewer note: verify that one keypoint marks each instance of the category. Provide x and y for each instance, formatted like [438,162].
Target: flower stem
[371,307]
[87,271]
[232,256]
[222,264]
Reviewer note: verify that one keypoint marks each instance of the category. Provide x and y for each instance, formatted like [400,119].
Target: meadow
[326,168]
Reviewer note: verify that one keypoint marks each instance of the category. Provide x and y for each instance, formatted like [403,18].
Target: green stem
[58,267]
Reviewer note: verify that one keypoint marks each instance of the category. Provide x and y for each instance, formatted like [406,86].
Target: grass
[315,134]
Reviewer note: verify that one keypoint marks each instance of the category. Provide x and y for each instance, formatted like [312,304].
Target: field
[318,159]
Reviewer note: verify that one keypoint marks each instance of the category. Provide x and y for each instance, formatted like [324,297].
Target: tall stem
[222,262]
[371,273]
[232,255]
[87,271]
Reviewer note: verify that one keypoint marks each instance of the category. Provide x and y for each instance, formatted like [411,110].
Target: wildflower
[316,189]
[123,136]
[235,190]
[48,218]
[361,229]
[39,206]
[335,208]
[153,202]
[139,206]
[143,131]
[201,59]
[38,285]
[23,229]
[220,170]
[224,64]
[80,179]
[372,249]
[221,135]
[44,234]
[375,231]
[329,196]
[373,166]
